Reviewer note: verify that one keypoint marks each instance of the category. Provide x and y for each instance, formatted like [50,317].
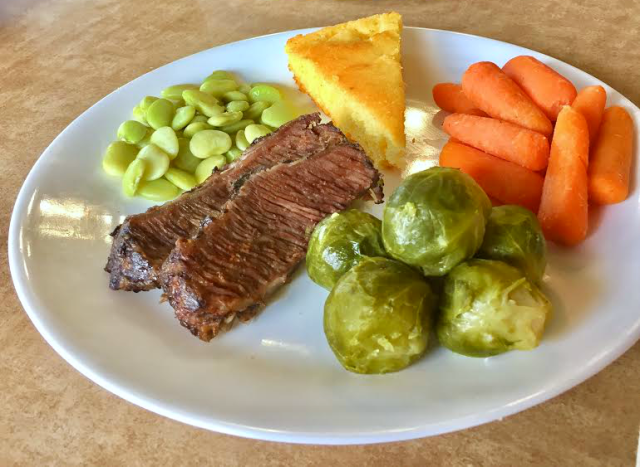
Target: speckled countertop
[58,57]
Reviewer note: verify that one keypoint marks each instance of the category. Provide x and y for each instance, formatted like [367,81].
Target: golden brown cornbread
[353,73]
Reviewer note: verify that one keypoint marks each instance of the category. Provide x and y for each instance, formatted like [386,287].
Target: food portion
[339,242]
[435,220]
[143,241]
[377,318]
[488,307]
[513,235]
[182,137]
[588,160]
[244,254]
[353,72]
[564,208]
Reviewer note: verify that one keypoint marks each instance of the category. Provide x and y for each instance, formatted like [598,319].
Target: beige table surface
[58,57]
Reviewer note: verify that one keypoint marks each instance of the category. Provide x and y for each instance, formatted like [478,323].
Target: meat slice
[241,257]
[143,241]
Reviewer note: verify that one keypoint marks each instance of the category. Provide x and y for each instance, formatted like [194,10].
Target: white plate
[276,378]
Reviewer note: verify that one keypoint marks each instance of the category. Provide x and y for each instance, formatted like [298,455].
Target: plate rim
[31,305]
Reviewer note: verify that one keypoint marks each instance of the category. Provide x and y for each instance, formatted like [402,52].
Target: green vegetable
[488,308]
[156,161]
[220,74]
[184,116]
[117,157]
[132,131]
[339,242]
[146,102]
[513,235]
[253,132]
[180,178]
[139,115]
[232,154]
[133,176]
[146,140]
[234,96]
[207,143]
[203,102]
[225,118]
[435,220]
[175,92]
[245,89]
[264,93]
[218,87]
[195,127]
[200,118]
[158,190]
[279,114]
[185,160]
[235,127]
[160,113]
[165,138]
[377,317]
[205,168]
[256,109]
[241,140]
[237,106]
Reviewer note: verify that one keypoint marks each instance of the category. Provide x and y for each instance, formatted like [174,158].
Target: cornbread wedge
[353,73]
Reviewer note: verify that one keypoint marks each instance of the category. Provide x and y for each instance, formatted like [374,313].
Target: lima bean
[185,159]
[184,116]
[158,190]
[217,87]
[200,118]
[244,88]
[219,74]
[256,109]
[175,92]
[253,132]
[146,102]
[241,141]
[160,113]
[237,106]
[264,93]
[180,178]
[233,154]
[225,118]
[165,138]
[193,128]
[117,157]
[207,143]
[203,102]
[156,161]
[205,168]
[132,131]
[133,176]
[234,96]
[139,115]
[234,127]
[279,114]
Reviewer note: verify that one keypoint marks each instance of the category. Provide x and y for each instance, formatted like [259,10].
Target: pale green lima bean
[165,138]
[237,106]
[217,87]
[256,109]
[193,128]
[264,93]
[158,190]
[241,141]
[184,116]
[203,102]
[180,178]
[234,127]
[157,161]
[225,118]
[253,132]
[132,131]
[175,92]
[117,157]
[133,176]
[209,143]
[160,113]
[233,154]
[185,160]
[234,96]
[205,168]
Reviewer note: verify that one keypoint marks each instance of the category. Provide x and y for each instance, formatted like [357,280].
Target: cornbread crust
[353,73]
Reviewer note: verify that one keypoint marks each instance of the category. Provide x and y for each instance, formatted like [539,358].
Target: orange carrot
[492,91]
[450,97]
[546,87]
[505,140]
[590,103]
[611,158]
[564,207]
[502,180]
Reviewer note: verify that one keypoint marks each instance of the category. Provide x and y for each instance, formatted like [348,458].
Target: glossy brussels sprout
[435,220]
[513,235]
[339,242]
[489,307]
[377,317]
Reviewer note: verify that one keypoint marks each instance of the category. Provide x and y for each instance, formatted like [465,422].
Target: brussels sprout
[489,307]
[435,220]
[339,242]
[513,235]
[378,315]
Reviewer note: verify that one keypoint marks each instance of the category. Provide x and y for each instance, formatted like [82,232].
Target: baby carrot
[545,86]
[610,163]
[590,103]
[564,207]
[492,91]
[503,181]
[450,97]
[505,140]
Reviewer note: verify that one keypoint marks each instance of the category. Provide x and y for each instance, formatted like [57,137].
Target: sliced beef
[143,242]
[243,255]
